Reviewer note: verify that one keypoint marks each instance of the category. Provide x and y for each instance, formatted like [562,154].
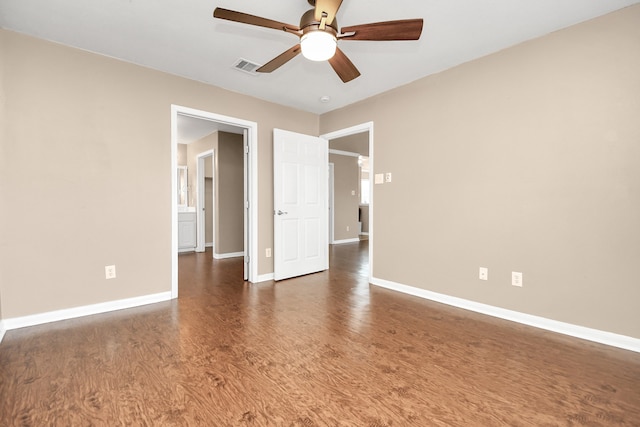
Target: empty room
[493,282]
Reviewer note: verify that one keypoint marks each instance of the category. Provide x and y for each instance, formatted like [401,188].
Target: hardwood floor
[320,350]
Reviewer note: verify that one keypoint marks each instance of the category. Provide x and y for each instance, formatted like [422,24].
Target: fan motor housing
[309,23]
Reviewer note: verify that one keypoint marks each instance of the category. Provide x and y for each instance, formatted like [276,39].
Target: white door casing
[251,222]
[201,198]
[300,204]
[364,127]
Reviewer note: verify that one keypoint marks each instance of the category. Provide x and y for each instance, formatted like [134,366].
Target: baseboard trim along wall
[595,335]
[264,277]
[339,242]
[228,255]
[86,310]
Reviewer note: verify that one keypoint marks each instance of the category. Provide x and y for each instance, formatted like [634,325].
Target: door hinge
[246,259]
[246,149]
[246,204]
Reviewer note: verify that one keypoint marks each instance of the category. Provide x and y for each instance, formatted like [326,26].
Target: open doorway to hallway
[350,189]
[214,149]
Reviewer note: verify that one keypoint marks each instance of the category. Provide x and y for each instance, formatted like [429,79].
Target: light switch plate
[379,178]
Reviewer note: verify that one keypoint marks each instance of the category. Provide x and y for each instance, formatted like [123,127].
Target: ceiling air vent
[246,66]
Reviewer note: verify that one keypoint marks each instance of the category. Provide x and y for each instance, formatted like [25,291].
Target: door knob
[282,213]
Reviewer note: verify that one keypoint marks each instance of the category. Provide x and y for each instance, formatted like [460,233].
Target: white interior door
[300,164]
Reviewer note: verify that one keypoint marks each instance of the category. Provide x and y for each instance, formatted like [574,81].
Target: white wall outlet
[516,278]
[483,273]
[110,272]
[267,252]
[353,192]
[348,228]
[387,177]
[379,178]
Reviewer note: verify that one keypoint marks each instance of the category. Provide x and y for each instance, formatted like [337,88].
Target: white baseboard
[595,335]
[208,245]
[228,255]
[364,233]
[264,278]
[339,242]
[86,310]
[2,330]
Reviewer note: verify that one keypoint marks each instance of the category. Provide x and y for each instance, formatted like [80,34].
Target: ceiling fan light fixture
[318,45]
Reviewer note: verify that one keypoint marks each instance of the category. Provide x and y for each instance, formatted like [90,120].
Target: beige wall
[182,155]
[4,200]
[356,143]
[92,134]
[229,189]
[229,194]
[525,160]
[345,204]
[204,144]
[364,218]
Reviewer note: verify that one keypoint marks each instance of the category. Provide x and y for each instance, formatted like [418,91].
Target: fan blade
[280,60]
[245,18]
[405,29]
[343,66]
[330,7]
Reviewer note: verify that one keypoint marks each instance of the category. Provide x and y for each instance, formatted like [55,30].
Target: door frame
[363,127]
[201,199]
[331,190]
[251,188]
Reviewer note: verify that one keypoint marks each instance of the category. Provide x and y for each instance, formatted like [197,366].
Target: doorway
[250,166]
[365,131]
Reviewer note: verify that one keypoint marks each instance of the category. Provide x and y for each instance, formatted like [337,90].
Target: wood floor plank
[319,350]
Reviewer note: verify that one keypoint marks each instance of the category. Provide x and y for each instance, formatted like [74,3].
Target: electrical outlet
[387,177]
[484,273]
[110,272]
[348,228]
[516,279]
[268,252]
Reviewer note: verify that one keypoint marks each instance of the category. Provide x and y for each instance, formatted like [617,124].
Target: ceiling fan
[319,34]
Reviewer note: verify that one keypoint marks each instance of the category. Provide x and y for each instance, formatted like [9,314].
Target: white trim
[339,242]
[332,202]
[252,221]
[589,334]
[362,233]
[208,245]
[86,310]
[343,153]
[364,127]
[228,255]
[265,278]
[3,329]
[185,250]
[200,196]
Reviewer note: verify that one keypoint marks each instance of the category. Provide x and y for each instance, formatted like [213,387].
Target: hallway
[320,350]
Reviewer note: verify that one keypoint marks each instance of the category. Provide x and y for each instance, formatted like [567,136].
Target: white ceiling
[182,38]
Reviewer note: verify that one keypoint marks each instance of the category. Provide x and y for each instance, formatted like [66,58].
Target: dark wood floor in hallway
[326,349]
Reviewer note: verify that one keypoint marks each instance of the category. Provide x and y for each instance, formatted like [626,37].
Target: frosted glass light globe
[318,45]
